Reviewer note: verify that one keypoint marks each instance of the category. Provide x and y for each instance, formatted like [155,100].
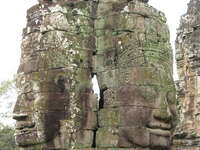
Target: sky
[173,10]
[13,20]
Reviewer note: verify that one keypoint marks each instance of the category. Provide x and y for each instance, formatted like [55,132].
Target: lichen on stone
[126,45]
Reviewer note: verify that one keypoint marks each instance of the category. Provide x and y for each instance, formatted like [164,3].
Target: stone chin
[145,137]
[29,137]
[160,135]
[160,140]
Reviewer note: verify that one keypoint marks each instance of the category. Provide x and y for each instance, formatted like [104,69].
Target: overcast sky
[13,19]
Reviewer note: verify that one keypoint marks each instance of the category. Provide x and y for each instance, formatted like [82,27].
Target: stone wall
[65,43]
[187,134]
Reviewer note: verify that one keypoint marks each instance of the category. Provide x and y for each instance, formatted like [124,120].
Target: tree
[8,98]
[5,86]
[7,141]
[7,90]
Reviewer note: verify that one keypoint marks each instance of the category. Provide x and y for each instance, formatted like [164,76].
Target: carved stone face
[149,109]
[40,107]
[54,80]
[132,64]
[141,111]
[138,102]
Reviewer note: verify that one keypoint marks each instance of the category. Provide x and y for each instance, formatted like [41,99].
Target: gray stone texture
[187,133]
[126,45]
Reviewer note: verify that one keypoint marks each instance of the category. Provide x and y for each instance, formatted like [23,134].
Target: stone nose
[163,113]
[20,110]
[19,117]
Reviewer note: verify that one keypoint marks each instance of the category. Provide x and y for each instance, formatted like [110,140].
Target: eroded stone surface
[56,106]
[126,44]
[133,63]
[187,55]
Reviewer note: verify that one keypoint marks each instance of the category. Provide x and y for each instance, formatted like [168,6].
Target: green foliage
[7,141]
[6,86]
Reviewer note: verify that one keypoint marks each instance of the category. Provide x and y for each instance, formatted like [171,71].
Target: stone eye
[171,98]
[60,82]
[148,93]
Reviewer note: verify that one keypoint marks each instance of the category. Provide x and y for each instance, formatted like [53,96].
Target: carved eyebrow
[147,92]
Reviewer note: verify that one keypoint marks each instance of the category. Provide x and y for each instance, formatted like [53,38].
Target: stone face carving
[126,44]
[56,101]
[134,71]
[187,56]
